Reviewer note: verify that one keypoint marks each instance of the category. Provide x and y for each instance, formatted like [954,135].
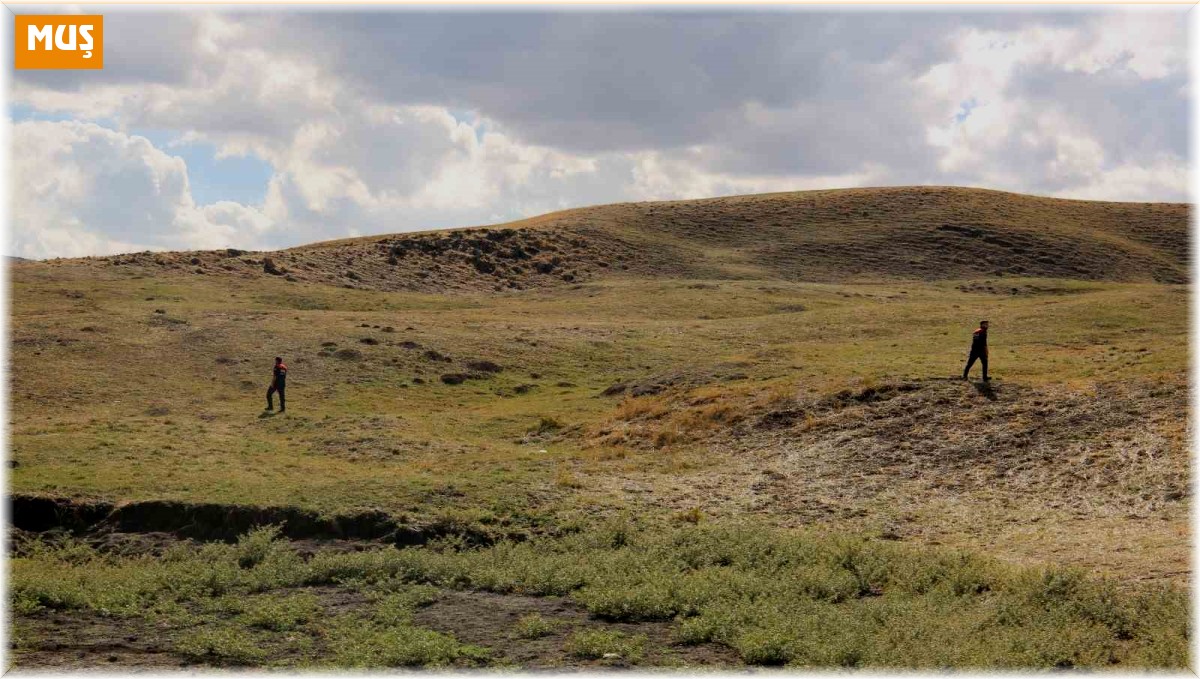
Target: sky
[220,127]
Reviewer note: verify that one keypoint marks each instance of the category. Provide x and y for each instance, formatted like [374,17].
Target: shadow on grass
[985,389]
[267,413]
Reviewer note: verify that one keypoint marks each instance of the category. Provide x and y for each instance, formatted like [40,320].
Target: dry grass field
[554,416]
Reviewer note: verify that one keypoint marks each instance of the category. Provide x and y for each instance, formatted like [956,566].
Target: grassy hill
[764,364]
[854,235]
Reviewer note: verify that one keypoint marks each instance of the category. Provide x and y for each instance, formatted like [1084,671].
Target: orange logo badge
[56,41]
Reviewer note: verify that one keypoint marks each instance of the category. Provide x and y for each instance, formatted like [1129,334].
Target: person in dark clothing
[278,383]
[979,350]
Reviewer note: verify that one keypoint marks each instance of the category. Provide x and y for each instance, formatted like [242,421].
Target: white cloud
[449,122]
[657,178]
[83,189]
[1145,181]
[1063,109]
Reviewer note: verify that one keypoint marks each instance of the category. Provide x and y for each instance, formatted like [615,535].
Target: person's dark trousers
[982,356]
[271,403]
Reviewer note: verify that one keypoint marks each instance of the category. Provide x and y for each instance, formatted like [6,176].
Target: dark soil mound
[211,521]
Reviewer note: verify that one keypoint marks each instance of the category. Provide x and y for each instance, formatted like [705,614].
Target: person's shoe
[282,409]
[269,409]
[987,379]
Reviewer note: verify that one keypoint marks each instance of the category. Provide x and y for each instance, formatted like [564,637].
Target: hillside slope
[848,235]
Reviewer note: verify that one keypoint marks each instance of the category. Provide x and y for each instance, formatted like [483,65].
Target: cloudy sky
[266,129]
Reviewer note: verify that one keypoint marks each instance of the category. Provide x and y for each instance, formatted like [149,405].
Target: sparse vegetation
[546,425]
[534,626]
[714,374]
[606,645]
[222,645]
[772,597]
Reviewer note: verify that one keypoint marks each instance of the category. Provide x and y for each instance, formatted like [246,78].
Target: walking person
[278,384]
[979,350]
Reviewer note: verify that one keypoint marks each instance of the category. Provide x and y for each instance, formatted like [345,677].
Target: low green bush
[775,597]
[596,644]
[534,626]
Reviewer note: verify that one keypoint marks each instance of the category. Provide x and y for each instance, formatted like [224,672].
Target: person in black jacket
[278,383]
[979,350]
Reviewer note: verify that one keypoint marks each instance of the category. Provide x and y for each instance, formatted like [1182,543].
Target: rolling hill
[851,235]
[719,432]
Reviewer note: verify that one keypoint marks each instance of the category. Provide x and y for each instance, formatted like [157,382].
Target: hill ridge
[829,235]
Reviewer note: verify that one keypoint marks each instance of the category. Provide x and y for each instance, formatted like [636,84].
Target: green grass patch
[774,597]
[534,626]
[357,642]
[606,645]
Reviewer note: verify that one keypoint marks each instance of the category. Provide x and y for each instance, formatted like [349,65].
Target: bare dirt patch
[1021,468]
[80,640]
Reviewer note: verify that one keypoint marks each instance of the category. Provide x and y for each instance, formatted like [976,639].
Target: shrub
[221,644]
[545,425]
[355,644]
[595,644]
[534,626]
[280,613]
